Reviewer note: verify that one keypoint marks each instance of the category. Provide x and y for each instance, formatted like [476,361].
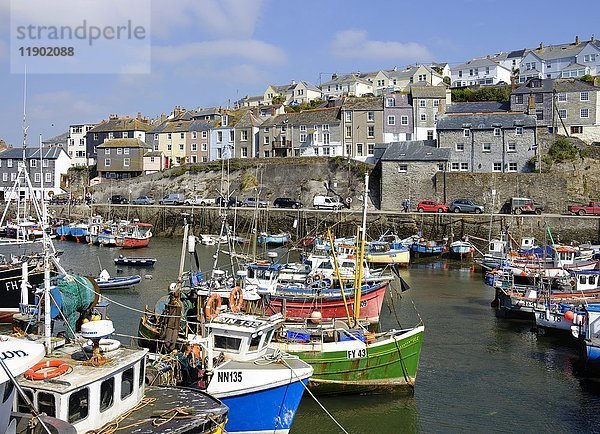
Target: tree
[588,78]
[447,80]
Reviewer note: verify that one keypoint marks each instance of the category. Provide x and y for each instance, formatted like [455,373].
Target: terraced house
[570,106]
[488,142]
[115,128]
[121,158]
[307,133]
[428,103]
[362,125]
[398,122]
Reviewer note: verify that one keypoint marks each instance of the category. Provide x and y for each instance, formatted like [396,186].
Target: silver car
[465,205]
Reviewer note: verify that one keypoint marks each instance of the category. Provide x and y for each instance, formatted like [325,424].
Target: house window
[156,146]
[266,130]
[584,113]
[370,116]
[326,138]
[181,146]
[5,176]
[487,147]
[182,135]
[119,151]
[577,129]
[460,147]
[327,150]
[512,147]
[205,134]
[429,134]
[518,99]
[13,176]
[436,102]
[79,405]
[348,116]
[584,96]
[562,97]
[519,131]
[125,134]
[219,136]
[96,136]
[512,167]
[454,167]
[194,147]
[48,177]
[422,103]
[266,141]
[423,117]
[244,152]
[497,132]
[403,120]
[33,162]
[391,102]
[204,146]
[9,163]
[370,131]
[37,177]
[169,147]
[539,114]
[126,151]
[231,136]
[107,162]
[466,132]
[464,167]
[302,127]
[219,153]
[440,167]
[460,73]
[370,148]
[348,131]
[391,120]
[194,134]
[539,98]
[111,136]
[562,113]
[302,138]
[107,151]
[402,168]
[204,159]
[359,149]
[317,151]
[126,162]
[497,167]
[325,127]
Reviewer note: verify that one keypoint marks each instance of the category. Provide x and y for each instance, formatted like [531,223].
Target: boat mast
[360,253]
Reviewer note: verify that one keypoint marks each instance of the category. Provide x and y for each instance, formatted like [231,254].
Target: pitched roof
[121,124]
[428,91]
[123,143]
[363,103]
[479,63]
[559,51]
[61,138]
[415,150]
[347,78]
[478,107]
[558,84]
[306,117]
[49,153]
[485,121]
[248,120]
[308,86]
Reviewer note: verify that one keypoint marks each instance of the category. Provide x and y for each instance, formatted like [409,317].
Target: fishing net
[78,294]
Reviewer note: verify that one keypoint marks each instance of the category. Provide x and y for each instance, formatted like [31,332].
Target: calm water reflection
[477,373]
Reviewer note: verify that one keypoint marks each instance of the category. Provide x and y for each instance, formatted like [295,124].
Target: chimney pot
[576,39]
[541,45]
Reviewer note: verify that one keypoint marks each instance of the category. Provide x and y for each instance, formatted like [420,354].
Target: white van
[327,202]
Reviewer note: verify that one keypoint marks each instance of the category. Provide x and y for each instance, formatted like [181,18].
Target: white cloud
[256,51]
[215,18]
[355,44]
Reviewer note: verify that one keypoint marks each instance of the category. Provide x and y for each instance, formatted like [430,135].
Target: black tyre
[457,210]
[538,211]
[478,211]
[581,212]
[518,211]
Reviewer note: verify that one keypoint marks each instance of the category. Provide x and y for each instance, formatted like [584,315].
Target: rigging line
[314,397]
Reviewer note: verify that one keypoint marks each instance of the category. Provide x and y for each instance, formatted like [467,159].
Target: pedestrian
[407,205]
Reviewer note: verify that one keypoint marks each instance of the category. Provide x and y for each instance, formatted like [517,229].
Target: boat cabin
[263,275]
[86,396]
[242,337]
[586,280]
[497,248]
[527,243]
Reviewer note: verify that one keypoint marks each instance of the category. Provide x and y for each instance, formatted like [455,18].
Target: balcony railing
[281,144]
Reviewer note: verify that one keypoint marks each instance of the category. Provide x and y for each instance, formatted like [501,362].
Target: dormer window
[225,120]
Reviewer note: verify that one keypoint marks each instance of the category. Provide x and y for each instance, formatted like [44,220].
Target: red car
[431,206]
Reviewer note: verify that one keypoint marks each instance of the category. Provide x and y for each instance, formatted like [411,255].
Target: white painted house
[76,144]
[482,72]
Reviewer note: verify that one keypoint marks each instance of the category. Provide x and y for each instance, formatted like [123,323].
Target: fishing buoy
[315,316]
[569,315]
[148,276]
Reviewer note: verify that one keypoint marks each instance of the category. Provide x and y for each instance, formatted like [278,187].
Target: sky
[207,53]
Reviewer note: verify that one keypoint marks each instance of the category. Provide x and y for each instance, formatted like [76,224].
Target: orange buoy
[47,369]
[569,315]
[236,299]
[213,304]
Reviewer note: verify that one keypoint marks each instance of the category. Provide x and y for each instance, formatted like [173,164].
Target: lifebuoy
[42,371]
[318,276]
[309,280]
[106,345]
[213,304]
[236,298]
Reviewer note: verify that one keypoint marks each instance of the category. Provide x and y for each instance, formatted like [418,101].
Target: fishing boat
[134,235]
[346,357]
[135,261]
[422,248]
[280,238]
[382,253]
[586,329]
[460,249]
[105,281]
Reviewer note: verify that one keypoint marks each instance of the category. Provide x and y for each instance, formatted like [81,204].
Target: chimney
[577,40]
[487,57]
[293,82]
[139,116]
[333,76]
[542,45]
[592,39]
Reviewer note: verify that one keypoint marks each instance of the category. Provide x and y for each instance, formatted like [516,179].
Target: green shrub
[562,150]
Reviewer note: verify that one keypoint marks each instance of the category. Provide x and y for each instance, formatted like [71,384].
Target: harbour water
[477,373]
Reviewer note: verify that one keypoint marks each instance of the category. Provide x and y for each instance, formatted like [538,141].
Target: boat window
[347,264]
[251,273]
[142,374]
[22,406]
[269,337]
[254,341]
[127,383]
[227,343]
[8,389]
[79,405]
[582,279]
[326,266]
[46,403]
[107,393]
[591,280]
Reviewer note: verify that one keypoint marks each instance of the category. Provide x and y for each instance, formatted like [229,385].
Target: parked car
[327,202]
[172,199]
[199,200]
[592,208]
[465,205]
[118,199]
[519,205]
[253,202]
[431,206]
[231,202]
[287,202]
[143,200]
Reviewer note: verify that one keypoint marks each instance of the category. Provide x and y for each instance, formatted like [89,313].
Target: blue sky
[210,52]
